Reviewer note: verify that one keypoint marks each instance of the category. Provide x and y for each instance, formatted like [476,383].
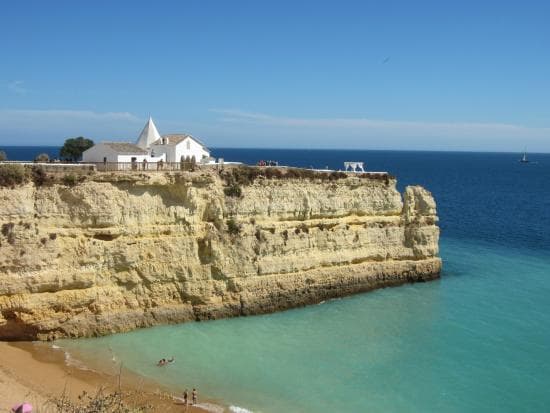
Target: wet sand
[38,373]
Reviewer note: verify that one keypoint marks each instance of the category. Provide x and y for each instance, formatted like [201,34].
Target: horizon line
[325,149]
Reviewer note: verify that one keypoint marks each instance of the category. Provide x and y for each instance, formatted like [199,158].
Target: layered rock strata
[122,251]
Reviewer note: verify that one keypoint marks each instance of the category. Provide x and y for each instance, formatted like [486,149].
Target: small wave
[72,362]
[237,409]
[210,407]
[55,347]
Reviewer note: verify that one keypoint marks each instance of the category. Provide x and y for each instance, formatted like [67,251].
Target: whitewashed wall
[165,150]
[140,158]
[189,147]
[97,152]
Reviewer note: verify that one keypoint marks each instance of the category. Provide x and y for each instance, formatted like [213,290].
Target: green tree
[73,148]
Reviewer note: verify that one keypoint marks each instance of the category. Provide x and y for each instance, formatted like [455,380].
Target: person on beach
[185,396]
[194,395]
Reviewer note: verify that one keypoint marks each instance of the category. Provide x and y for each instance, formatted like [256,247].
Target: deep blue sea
[477,340]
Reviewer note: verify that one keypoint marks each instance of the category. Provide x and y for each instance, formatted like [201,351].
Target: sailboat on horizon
[524,159]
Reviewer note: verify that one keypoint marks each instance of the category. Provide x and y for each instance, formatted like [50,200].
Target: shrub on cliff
[39,175]
[12,175]
[3,156]
[232,227]
[243,175]
[273,173]
[70,180]
[302,228]
[334,176]
[43,157]
[234,191]
[8,232]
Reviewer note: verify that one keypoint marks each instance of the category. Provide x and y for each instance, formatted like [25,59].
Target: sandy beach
[38,374]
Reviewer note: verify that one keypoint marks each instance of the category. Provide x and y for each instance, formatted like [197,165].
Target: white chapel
[150,146]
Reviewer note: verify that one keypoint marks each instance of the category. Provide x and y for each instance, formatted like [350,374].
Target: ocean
[477,340]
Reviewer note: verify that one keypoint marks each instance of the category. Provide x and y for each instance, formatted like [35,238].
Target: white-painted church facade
[151,147]
[177,148]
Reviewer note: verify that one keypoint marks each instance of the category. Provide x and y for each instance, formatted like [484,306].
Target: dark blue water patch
[28,153]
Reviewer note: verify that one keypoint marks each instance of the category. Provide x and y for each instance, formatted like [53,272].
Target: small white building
[179,147]
[151,147]
[109,152]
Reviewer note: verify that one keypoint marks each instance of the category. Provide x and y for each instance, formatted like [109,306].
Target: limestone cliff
[122,251]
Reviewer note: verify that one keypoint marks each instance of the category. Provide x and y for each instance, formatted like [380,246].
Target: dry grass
[103,401]
[246,175]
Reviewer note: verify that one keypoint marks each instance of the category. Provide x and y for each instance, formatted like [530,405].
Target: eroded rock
[113,254]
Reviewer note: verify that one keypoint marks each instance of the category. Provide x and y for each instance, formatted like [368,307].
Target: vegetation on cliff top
[13,175]
[245,175]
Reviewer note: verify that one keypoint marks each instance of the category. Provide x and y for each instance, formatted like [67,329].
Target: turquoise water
[477,340]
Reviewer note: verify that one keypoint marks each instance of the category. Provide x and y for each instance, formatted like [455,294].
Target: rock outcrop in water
[122,251]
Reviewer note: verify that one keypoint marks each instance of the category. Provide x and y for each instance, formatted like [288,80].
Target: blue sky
[311,74]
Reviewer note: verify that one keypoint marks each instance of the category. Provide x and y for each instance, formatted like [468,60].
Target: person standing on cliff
[194,395]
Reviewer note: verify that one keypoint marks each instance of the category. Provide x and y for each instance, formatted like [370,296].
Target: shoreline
[38,373]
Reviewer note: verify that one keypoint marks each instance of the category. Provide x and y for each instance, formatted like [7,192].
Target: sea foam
[237,409]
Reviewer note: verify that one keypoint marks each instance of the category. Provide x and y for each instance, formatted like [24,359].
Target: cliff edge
[119,251]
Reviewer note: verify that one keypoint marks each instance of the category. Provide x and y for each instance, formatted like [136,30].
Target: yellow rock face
[118,252]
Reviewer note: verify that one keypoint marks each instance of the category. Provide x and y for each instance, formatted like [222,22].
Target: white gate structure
[353,167]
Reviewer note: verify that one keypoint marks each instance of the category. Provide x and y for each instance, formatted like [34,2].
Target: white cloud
[390,134]
[17,87]
[407,127]
[54,114]
[43,127]
[238,128]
